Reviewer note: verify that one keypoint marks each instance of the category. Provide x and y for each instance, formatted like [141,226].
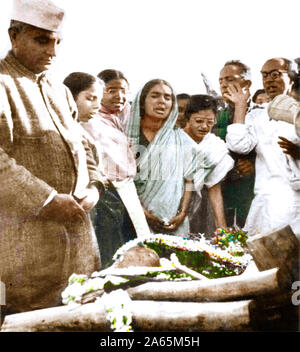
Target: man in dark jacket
[237,188]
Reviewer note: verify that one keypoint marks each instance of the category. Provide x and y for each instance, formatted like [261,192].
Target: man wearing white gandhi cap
[48,178]
[42,14]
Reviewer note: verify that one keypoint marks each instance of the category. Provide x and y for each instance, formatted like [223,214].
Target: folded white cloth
[285,108]
[129,196]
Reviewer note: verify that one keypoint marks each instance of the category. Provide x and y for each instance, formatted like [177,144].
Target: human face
[158,103]
[199,124]
[88,102]
[231,75]
[181,120]
[262,98]
[275,78]
[115,94]
[35,48]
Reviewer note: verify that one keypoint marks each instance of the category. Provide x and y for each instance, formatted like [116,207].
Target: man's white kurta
[277,192]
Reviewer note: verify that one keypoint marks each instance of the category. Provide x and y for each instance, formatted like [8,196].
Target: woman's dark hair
[146,89]
[200,102]
[78,82]
[257,93]
[110,75]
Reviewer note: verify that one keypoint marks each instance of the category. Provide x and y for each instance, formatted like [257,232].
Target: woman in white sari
[206,212]
[170,164]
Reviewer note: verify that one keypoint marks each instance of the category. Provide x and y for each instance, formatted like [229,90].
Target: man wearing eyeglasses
[278,75]
[277,194]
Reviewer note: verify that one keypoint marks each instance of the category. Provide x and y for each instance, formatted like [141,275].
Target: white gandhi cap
[39,13]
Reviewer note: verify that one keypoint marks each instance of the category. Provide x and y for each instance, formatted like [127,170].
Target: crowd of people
[83,170]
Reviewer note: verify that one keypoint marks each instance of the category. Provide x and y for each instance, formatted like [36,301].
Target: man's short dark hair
[246,71]
[18,26]
[182,96]
[257,93]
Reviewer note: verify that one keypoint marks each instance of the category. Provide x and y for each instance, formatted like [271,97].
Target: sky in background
[171,39]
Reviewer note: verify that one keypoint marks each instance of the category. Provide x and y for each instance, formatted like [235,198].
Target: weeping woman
[170,164]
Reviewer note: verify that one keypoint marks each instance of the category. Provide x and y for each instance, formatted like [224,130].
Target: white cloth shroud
[127,192]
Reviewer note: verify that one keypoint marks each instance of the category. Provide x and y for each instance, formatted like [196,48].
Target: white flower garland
[117,303]
[118,310]
[183,243]
[80,284]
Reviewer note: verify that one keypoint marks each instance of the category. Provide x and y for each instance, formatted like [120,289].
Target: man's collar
[13,61]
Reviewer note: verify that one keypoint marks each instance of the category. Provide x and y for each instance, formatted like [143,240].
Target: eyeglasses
[273,74]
